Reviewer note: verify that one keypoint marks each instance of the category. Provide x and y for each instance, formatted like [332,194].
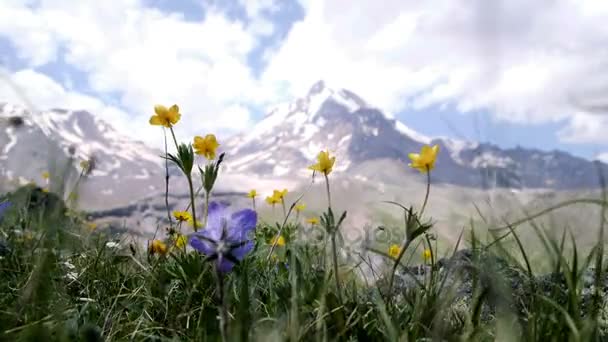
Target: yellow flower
[278,240]
[45,190]
[46,175]
[252,194]
[279,195]
[181,241]
[158,247]
[198,223]
[205,146]
[300,207]
[182,216]
[313,220]
[393,251]
[91,226]
[324,163]
[166,117]
[84,165]
[427,254]
[425,160]
[272,200]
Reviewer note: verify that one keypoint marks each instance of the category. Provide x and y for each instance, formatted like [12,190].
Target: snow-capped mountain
[277,149]
[290,136]
[57,140]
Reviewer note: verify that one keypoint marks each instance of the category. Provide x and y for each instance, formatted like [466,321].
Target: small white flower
[112,244]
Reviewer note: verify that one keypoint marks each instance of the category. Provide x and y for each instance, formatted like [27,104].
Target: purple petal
[201,245]
[224,265]
[3,207]
[242,223]
[240,252]
[218,211]
[214,206]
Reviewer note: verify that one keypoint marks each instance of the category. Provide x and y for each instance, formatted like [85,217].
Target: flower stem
[167,181]
[404,247]
[253,202]
[174,139]
[334,247]
[335,260]
[284,210]
[428,190]
[74,188]
[223,308]
[328,192]
[192,202]
[206,214]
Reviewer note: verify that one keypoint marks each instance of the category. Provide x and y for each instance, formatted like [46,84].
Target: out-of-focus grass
[60,281]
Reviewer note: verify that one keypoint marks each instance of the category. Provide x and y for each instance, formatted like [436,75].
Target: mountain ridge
[278,148]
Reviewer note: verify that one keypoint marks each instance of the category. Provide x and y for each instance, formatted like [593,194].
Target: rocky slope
[290,136]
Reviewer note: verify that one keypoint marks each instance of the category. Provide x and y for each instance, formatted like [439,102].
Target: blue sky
[505,73]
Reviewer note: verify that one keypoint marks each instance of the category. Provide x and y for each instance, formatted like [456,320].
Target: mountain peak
[317,88]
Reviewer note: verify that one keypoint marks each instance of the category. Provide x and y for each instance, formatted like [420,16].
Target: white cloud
[526,61]
[37,91]
[603,157]
[145,56]
[523,60]
[586,128]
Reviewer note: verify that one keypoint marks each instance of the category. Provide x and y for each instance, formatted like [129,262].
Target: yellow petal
[426,149]
[160,110]
[156,121]
[435,149]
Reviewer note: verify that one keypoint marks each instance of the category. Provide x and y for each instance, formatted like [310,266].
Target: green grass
[61,282]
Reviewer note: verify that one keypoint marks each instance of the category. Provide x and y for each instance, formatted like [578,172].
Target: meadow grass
[61,279]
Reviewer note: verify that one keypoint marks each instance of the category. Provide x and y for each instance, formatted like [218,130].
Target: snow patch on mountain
[403,129]
[488,159]
[456,147]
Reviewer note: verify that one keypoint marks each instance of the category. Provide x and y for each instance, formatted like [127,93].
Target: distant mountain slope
[57,140]
[275,152]
[289,137]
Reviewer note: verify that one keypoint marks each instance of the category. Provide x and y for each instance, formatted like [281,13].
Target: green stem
[74,188]
[284,210]
[167,181]
[223,307]
[327,189]
[253,201]
[334,247]
[207,195]
[192,202]
[174,139]
[428,190]
[335,260]
[391,280]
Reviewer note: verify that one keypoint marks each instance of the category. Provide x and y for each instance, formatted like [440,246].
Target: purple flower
[227,236]
[3,207]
